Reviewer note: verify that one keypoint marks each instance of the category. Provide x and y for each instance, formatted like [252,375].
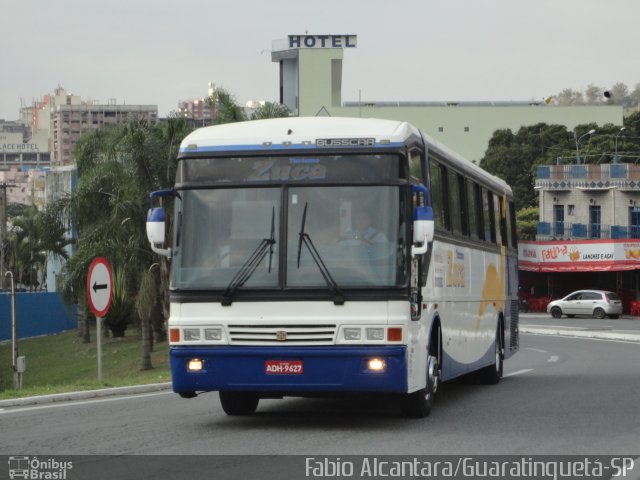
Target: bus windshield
[358,233]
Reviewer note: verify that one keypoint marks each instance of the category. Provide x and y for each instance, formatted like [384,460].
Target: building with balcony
[68,122]
[588,233]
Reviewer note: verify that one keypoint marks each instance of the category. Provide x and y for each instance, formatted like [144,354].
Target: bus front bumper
[289,369]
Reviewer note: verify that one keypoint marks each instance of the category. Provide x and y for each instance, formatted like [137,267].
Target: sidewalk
[84,395]
[625,328]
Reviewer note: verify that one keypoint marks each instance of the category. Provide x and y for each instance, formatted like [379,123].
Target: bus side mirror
[155,230]
[156,222]
[423,230]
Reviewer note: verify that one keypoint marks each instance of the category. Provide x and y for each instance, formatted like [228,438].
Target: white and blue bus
[315,256]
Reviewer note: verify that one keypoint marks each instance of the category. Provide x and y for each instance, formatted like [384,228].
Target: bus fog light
[195,365]
[376,365]
[352,333]
[191,334]
[213,334]
[375,333]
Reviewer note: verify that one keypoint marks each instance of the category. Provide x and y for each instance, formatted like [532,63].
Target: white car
[596,303]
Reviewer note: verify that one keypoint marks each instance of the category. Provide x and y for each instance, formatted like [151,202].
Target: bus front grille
[282,334]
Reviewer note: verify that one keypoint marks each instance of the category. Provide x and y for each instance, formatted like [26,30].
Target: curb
[84,395]
[600,335]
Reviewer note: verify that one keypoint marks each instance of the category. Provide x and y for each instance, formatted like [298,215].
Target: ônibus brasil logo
[37,469]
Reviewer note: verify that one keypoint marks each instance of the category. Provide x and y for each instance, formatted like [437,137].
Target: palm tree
[271,110]
[145,301]
[117,168]
[226,108]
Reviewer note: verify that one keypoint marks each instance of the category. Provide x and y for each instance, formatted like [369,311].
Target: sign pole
[99,293]
[99,345]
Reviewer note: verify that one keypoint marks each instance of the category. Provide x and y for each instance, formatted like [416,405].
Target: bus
[322,256]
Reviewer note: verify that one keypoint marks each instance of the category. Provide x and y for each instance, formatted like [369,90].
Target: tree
[145,301]
[593,95]
[569,96]
[635,95]
[117,168]
[527,223]
[515,157]
[225,107]
[271,110]
[620,94]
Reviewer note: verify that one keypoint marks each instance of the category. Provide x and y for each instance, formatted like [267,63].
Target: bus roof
[294,132]
[302,132]
[465,166]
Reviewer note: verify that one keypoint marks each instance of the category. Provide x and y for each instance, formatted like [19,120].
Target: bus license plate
[283,367]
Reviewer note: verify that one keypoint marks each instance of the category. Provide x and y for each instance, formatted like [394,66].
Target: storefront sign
[585,256]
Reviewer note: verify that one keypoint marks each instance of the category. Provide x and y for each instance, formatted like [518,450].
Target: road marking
[519,372]
[536,350]
[553,359]
[72,403]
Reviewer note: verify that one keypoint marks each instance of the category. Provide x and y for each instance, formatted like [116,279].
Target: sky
[158,52]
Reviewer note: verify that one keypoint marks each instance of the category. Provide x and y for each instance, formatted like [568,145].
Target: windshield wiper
[252,264]
[304,238]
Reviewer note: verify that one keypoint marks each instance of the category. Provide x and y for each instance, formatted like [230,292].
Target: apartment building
[68,122]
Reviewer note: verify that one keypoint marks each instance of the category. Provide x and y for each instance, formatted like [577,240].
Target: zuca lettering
[345,142]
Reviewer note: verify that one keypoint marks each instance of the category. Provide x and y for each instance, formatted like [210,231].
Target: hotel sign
[322,41]
[12,143]
[19,148]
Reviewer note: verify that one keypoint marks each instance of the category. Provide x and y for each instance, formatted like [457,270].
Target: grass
[62,363]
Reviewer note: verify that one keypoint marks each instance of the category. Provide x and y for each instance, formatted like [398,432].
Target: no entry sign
[99,286]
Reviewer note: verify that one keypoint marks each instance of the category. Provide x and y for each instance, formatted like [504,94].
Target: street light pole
[590,132]
[615,157]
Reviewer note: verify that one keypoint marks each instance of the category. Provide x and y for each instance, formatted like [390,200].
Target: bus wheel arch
[418,404]
[493,373]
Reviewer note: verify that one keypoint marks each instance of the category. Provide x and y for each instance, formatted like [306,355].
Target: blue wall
[37,313]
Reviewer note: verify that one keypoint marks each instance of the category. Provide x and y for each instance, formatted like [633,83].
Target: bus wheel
[418,404]
[493,373]
[239,403]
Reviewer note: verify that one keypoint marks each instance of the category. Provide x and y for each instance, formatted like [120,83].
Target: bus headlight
[352,334]
[213,334]
[375,334]
[191,334]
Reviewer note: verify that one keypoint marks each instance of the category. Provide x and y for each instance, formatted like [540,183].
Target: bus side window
[437,193]
[499,219]
[415,165]
[475,214]
[464,205]
[487,205]
[454,202]
[511,226]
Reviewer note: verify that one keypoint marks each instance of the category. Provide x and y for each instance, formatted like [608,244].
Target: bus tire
[418,404]
[493,373]
[239,403]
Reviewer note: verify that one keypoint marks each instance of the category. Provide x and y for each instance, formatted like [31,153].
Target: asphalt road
[559,396]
